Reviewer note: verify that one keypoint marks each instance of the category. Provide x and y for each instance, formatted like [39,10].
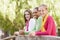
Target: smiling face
[35,11]
[27,16]
[42,10]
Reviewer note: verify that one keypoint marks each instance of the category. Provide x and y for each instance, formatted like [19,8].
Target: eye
[28,14]
[34,12]
[42,10]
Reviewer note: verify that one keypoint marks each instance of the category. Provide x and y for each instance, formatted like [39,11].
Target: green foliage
[18,22]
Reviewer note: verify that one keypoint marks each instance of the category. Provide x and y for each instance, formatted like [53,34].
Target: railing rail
[32,38]
[9,38]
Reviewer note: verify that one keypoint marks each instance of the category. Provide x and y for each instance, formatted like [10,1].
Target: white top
[32,24]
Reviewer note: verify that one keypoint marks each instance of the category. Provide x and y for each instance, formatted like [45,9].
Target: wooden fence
[32,38]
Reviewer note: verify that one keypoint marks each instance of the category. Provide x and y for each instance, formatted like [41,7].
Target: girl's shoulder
[50,17]
[32,19]
[39,18]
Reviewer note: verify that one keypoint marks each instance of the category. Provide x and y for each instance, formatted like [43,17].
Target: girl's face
[27,16]
[42,10]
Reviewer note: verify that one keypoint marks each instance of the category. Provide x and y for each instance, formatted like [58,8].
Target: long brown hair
[29,11]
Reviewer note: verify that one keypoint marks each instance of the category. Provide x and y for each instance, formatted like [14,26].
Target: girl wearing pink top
[48,23]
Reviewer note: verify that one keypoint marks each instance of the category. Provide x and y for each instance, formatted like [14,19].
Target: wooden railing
[9,38]
[32,38]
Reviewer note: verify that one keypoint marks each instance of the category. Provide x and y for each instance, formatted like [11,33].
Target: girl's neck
[27,21]
[44,16]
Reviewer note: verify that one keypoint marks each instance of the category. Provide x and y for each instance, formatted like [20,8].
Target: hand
[32,34]
[21,32]
[16,33]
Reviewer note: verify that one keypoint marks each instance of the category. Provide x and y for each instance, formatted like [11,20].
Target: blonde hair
[43,5]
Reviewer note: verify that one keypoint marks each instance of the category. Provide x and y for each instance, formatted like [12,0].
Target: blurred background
[12,13]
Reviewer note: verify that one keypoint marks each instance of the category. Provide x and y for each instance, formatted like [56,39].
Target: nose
[41,12]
